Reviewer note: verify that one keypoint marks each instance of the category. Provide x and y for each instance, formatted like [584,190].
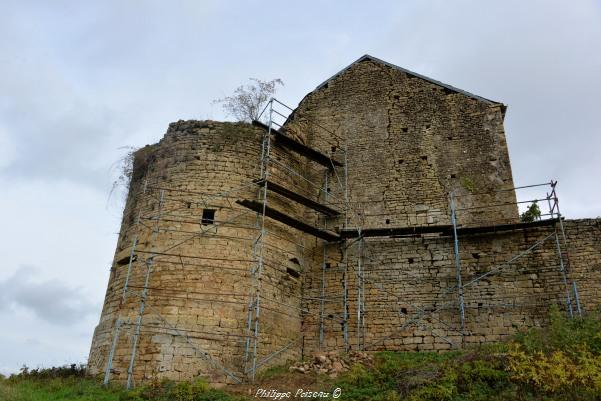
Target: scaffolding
[150,259]
[552,217]
[461,227]
[318,171]
[307,184]
[172,201]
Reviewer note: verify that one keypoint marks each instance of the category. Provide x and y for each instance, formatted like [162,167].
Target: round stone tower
[180,301]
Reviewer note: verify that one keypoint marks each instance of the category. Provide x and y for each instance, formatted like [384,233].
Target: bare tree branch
[248,100]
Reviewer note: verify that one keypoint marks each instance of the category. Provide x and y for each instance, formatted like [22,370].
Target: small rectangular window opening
[208,216]
[125,260]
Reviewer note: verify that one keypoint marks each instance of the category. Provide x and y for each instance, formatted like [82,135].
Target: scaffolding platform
[303,200]
[505,227]
[288,220]
[393,231]
[299,148]
[445,229]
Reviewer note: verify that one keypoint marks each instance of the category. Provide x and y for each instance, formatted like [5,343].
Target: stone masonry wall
[407,143]
[200,281]
[410,142]
[410,297]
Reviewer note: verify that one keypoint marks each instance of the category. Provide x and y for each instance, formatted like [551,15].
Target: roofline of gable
[449,87]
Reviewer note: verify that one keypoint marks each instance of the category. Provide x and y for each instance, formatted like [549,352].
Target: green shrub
[66,371]
[167,390]
[559,362]
[444,389]
[563,333]
[531,214]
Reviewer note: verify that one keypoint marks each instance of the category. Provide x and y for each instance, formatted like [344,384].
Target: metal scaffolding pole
[116,332]
[322,294]
[458,264]
[564,276]
[306,199]
[251,305]
[323,269]
[345,314]
[577,298]
[360,298]
[345,256]
[149,264]
[553,195]
[109,365]
[255,312]
[346,194]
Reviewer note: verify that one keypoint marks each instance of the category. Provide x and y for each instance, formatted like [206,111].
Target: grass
[80,389]
[559,363]
[69,384]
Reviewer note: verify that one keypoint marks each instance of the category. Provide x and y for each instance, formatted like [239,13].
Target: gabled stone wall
[409,142]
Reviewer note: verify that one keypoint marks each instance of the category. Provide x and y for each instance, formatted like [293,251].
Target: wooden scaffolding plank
[393,231]
[288,220]
[503,227]
[278,189]
[445,229]
[299,148]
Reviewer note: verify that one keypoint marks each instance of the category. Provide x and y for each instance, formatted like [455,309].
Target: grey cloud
[50,300]
[79,80]
[77,85]
[540,58]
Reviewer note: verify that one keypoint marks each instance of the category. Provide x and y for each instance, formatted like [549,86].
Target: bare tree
[125,169]
[248,100]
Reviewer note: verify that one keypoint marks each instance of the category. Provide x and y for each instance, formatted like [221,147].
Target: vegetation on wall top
[248,100]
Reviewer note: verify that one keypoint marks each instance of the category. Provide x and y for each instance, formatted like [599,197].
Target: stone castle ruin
[380,214]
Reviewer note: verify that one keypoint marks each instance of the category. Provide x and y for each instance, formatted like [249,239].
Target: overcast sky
[80,80]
